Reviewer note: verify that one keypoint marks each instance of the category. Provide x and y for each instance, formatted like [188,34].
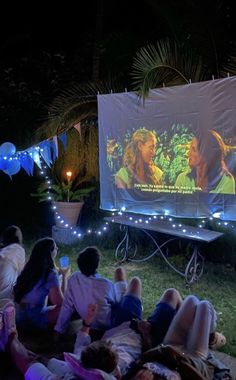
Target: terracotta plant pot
[68,211]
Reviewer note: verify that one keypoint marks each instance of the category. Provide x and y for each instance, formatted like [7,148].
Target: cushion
[85,373]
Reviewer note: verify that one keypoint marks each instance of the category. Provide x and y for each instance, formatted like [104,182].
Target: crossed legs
[191,326]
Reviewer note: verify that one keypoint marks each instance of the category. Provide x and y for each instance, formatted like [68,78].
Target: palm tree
[193,54]
[199,46]
[172,63]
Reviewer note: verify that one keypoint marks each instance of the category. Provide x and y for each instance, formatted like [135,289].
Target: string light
[76,232]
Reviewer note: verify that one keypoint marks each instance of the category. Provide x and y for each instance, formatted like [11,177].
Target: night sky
[47,47]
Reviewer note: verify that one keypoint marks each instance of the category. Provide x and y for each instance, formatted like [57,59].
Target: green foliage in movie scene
[172,152]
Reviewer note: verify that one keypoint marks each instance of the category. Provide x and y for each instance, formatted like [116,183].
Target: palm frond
[72,106]
[230,67]
[167,62]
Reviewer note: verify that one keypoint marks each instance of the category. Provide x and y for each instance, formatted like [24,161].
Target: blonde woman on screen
[138,166]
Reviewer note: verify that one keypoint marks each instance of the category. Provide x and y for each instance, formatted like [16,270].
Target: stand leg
[126,248]
[194,268]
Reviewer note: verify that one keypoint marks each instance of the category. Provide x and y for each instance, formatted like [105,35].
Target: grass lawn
[218,285]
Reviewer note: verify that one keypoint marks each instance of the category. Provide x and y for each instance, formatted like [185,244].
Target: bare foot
[135,287]
[120,274]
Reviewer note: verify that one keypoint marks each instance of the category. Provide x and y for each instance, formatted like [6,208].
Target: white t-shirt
[82,291]
[12,261]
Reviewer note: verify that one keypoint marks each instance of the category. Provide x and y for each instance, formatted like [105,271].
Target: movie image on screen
[174,154]
[182,163]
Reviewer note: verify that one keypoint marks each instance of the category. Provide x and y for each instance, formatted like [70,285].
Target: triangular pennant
[45,151]
[27,163]
[63,139]
[78,128]
[34,154]
[54,146]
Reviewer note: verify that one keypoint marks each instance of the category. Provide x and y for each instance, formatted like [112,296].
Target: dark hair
[88,260]
[12,234]
[213,151]
[38,267]
[99,355]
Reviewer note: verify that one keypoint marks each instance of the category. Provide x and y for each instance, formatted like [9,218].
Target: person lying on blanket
[109,358]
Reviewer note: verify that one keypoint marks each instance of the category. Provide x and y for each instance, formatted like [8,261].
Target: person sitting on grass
[38,282]
[12,260]
[86,286]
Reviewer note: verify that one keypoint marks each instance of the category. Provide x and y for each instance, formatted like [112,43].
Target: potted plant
[68,198]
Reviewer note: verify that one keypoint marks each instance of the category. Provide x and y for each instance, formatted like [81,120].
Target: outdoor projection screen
[174,153]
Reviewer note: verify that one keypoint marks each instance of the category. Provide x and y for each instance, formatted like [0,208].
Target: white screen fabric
[174,153]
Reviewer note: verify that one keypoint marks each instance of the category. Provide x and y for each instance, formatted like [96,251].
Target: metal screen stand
[127,249]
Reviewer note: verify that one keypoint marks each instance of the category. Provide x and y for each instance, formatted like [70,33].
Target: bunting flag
[11,161]
[63,139]
[34,153]
[78,128]
[27,163]
[45,152]
[54,147]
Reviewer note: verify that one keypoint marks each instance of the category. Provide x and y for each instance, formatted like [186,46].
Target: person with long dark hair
[38,282]
[207,171]
[12,260]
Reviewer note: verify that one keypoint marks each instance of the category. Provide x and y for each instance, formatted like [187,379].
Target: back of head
[99,355]
[11,235]
[88,260]
[39,265]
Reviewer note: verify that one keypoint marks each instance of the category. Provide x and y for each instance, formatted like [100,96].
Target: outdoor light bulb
[123,208]
[69,174]
[216,215]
